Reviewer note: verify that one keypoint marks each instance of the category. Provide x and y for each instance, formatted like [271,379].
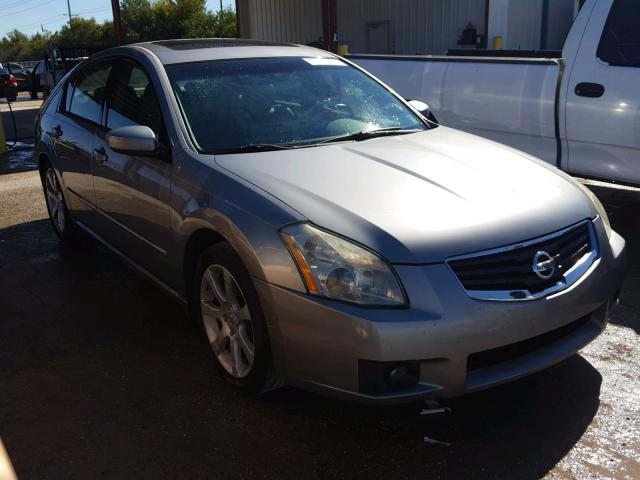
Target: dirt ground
[101,375]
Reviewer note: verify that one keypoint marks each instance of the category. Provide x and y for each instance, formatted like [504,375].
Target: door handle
[590,90]
[100,155]
[56,132]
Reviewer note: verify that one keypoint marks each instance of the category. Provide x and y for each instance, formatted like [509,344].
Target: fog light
[379,378]
[403,375]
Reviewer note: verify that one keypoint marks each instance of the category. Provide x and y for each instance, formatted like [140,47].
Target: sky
[29,15]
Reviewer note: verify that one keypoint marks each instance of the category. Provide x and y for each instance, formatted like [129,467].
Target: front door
[133,192]
[603,104]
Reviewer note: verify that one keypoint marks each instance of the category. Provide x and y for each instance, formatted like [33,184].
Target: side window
[620,42]
[86,92]
[132,100]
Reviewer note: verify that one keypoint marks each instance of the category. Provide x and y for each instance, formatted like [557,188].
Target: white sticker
[333,62]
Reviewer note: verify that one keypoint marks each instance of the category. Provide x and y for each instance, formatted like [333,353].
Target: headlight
[599,207]
[336,268]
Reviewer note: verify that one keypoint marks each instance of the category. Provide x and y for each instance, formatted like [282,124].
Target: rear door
[603,103]
[73,133]
[133,192]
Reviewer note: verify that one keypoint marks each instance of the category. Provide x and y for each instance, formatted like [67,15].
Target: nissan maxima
[323,231]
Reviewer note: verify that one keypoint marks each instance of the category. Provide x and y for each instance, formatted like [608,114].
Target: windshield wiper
[365,135]
[261,147]
[356,136]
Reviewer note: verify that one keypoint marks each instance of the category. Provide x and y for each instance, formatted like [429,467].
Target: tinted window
[132,100]
[86,91]
[230,104]
[620,42]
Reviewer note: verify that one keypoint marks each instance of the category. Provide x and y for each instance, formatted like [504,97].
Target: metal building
[409,26]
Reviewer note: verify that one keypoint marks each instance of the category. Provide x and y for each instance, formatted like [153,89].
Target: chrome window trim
[570,277]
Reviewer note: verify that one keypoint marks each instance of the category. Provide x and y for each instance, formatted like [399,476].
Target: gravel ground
[101,375]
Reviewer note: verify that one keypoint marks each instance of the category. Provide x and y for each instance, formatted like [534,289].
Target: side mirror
[423,109]
[134,140]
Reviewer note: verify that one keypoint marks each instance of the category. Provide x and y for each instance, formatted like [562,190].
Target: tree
[85,31]
[146,20]
[143,20]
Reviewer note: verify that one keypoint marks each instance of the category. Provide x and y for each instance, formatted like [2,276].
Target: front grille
[512,269]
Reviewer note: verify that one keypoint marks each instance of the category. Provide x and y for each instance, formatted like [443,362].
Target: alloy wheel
[227,321]
[55,200]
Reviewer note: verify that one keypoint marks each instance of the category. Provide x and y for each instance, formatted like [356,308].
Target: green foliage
[161,19]
[143,20]
[18,46]
[84,31]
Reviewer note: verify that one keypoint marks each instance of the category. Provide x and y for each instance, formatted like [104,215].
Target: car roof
[202,49]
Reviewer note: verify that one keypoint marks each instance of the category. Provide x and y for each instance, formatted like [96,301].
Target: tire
[61,221]
[225,304]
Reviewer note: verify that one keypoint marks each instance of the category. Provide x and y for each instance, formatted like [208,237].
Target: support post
[329,24]
[3,138]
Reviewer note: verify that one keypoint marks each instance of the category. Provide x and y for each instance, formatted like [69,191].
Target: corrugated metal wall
[524,24]
[416,26]
[405,27]
[297,21]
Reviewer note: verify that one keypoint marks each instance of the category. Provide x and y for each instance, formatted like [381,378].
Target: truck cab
[602,109]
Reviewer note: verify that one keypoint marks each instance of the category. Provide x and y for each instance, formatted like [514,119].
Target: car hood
[419,198]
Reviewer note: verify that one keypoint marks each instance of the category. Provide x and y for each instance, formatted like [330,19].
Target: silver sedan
[323,231]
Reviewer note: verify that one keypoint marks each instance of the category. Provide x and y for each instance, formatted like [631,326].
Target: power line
[30,8]
[93,10]
[44,21]
[9,5]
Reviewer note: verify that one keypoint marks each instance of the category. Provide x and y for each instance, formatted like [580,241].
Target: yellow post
[343,50]
[3,139]
[497,42]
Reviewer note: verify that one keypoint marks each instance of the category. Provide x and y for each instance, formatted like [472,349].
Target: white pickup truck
[580,112]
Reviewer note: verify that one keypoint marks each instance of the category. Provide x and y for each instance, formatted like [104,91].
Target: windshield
[230,105]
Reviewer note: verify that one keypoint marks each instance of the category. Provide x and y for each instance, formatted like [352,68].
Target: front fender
[248,218]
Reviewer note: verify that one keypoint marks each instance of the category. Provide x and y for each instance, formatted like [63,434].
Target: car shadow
[623,208]
[102,374]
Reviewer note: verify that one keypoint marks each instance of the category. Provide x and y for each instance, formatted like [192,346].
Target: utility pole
[220,6]
[69,9]
[117,21]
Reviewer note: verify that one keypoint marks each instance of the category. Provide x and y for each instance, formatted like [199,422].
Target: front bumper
[458,343]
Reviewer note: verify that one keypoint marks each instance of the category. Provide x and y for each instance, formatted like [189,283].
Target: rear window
[620,42]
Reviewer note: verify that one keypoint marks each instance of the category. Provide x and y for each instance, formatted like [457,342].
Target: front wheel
[226,305]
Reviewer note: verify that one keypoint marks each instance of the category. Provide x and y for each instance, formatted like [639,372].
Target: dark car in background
[23,75]
[8,85]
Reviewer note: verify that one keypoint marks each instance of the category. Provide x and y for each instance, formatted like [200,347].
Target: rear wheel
[226,305]
[62,223]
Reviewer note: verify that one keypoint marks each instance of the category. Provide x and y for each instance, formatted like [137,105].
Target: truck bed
[512,100]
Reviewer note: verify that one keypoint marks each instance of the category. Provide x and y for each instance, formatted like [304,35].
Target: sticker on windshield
[333,62]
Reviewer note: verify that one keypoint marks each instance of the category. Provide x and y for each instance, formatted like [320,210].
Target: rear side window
[86,91]
[620,42]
